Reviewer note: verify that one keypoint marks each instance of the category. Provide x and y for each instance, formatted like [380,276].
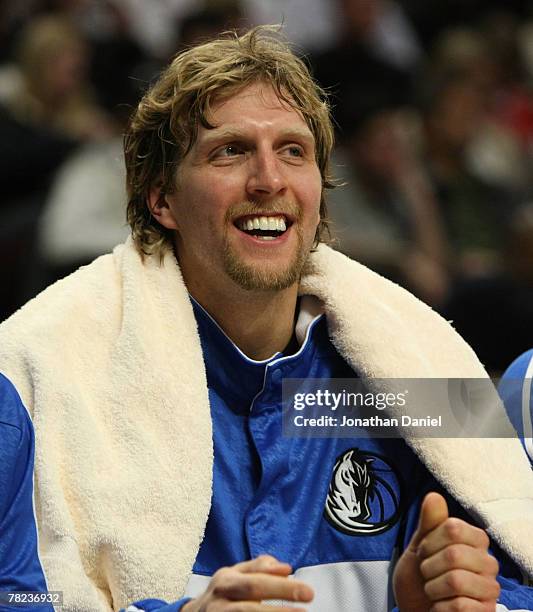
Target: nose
[266,176]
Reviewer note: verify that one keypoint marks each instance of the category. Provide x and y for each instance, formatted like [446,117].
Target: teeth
[266,237]
[263,223]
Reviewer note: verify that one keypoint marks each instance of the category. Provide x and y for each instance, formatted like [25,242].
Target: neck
[260,323]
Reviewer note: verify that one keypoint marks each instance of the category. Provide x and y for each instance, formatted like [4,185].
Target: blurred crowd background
[433,104]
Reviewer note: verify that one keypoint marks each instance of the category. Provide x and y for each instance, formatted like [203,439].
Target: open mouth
[263,227]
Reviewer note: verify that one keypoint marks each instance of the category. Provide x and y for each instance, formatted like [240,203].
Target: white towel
[109,365]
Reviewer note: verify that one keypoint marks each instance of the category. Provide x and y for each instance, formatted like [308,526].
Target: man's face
[246,205]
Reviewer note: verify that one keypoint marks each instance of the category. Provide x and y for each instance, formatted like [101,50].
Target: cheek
[212,195]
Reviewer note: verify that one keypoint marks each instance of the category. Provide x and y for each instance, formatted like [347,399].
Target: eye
[229,150]
[294,151]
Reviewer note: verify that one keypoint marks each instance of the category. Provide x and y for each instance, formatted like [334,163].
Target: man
[139,366]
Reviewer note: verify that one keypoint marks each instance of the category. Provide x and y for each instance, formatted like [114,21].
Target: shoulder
[516,391]
[520,366]
[515,384]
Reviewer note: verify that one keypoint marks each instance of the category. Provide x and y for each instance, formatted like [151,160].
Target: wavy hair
[165,124]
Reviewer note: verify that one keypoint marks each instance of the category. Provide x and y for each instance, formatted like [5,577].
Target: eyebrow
[223,134]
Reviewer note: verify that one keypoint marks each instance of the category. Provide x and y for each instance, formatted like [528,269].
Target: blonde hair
[164,126]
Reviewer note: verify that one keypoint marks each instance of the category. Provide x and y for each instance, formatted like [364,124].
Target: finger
[264,563]
[464,604]
[256,587]
[433,512]
[459,556]
[461,583]
[452,531]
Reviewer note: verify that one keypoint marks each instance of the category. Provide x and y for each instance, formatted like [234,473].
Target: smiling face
[246,204]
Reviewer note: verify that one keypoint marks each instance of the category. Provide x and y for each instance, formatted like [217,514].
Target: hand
[447,566]
[242,587]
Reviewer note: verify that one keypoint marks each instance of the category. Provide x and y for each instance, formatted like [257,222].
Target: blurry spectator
[374,56]
[84,212]
[473,208]
[479,126]
[29,157]
[513,102]
[494,152]
[120,69]
[45,114]
[386,215]
[382,26]
[464,52]
[490,58]
[54,89]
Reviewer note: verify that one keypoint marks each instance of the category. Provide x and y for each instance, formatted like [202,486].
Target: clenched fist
[447,566]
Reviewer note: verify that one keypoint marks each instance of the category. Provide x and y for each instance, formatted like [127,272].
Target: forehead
[255,107]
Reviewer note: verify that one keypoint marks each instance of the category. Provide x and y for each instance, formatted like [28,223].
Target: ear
[160,205]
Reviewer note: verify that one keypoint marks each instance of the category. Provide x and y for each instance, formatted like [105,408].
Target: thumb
[433,512]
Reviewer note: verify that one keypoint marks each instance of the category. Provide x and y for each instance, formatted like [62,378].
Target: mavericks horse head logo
[364,494]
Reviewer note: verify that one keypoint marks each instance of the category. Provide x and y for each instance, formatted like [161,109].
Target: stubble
[258,277]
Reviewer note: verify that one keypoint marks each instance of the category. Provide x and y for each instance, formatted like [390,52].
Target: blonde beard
[253,278]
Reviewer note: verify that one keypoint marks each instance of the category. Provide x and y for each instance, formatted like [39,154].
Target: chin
[263,278]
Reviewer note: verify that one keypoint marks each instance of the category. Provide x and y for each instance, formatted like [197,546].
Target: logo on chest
[364,495]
